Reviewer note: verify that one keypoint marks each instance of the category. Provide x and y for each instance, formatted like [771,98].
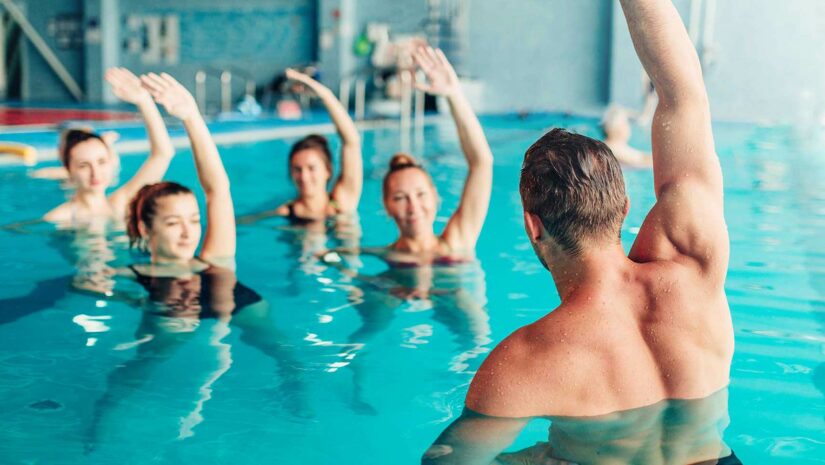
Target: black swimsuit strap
[142,279]
[294,218]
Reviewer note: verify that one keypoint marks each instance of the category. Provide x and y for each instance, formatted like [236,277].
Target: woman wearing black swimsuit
[187,291]
[310,167]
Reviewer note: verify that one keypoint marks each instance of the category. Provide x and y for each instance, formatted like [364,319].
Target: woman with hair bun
[91,163]
[454,295]
[410,197]
[310,167]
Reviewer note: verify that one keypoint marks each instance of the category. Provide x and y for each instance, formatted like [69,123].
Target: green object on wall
[362,46]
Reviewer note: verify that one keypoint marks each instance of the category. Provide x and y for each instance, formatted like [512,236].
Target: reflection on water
[305,241]
[670,432]
[51,380]
[453,296]
[90,251]
[175,313]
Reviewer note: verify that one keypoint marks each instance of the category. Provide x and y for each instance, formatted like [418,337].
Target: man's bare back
[635,329]
[631,330]
[645,332]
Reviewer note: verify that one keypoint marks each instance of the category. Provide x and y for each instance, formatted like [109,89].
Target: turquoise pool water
[362,371]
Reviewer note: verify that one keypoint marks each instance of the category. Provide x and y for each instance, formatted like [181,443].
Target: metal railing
[345,88]
[411,112]
[226,76]
[702,28]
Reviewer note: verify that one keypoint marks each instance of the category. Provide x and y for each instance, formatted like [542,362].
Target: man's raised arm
[686,171]
[682,138]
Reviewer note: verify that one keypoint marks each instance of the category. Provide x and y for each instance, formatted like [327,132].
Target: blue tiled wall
[41,84]
[572,55]
[541,54]
[259,38]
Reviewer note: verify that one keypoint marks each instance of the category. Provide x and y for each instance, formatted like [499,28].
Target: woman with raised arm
[455,294]
[310,166]
[186,289]
[164,218]
[410,196]
[91,163]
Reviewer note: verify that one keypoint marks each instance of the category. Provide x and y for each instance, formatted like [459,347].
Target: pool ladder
[226,77]
[411,109]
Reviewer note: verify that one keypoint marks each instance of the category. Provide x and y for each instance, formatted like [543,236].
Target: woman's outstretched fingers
[442,59]
[126,86]
[154,81]
[422,58]
[431,56]
[149,84]
[167,91]
[169,80]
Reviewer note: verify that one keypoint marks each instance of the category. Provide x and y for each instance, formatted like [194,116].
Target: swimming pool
[357,370]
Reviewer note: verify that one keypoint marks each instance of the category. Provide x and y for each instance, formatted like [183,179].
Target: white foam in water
[332,257]
[419,332]
[92,324]
[223,353]
[129,345]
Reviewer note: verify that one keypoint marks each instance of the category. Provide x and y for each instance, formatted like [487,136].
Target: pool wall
[761,58]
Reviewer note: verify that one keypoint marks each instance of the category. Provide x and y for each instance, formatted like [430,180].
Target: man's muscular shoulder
[523,375]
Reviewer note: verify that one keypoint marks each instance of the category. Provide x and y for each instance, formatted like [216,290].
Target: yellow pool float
[27,153]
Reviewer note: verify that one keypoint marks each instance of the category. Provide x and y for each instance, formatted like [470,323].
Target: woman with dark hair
[91,163]
[310,166]
[164,218]
[189,292]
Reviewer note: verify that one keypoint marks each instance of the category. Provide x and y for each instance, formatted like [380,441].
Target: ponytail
[143,207]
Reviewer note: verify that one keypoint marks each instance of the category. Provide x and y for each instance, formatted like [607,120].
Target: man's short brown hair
[574,184]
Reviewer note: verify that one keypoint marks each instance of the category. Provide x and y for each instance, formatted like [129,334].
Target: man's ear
[626,206]
[533,226]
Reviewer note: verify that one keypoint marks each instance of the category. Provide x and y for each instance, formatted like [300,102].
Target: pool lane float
[27,153]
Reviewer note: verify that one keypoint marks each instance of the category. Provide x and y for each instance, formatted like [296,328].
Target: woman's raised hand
[126,86]
[305,79]
[168,92]
[298,76]
[441,77]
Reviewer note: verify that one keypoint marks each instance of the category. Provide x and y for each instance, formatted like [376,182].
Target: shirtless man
[631,331]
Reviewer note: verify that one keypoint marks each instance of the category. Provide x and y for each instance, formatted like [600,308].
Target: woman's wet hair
[143,208]
[401,162]
[70,138]
[574,184]
[313,142]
